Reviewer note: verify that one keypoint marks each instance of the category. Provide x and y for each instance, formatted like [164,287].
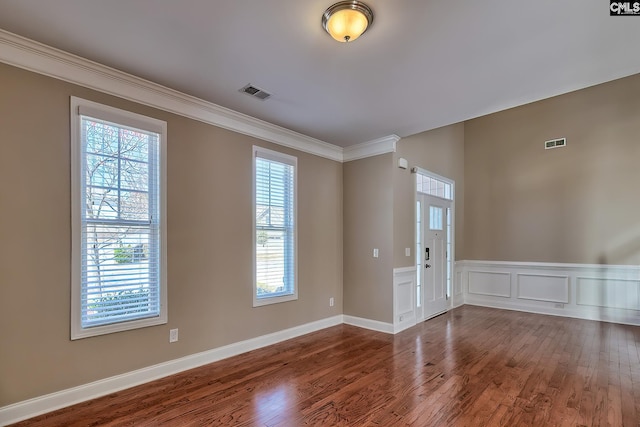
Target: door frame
[449,273]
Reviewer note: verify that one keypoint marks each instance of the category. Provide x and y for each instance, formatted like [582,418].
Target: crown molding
[386,144]
[30,55]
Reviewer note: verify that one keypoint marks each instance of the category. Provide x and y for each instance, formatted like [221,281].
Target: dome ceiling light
[345,21]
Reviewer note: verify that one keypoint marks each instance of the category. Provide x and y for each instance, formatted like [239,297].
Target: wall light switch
[375,252]
[407,251]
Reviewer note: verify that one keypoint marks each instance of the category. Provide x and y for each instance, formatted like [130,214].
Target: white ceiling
[422,64]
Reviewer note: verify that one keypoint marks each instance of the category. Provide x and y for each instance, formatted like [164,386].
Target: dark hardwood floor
[473,366]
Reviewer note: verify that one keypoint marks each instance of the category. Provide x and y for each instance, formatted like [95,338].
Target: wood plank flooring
[473,366]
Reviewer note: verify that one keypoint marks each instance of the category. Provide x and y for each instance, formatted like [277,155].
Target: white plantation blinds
[120,274]
[275,237]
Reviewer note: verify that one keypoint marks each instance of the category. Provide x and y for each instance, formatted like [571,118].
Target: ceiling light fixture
[345,21]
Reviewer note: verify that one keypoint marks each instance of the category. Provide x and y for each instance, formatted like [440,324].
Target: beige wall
[368,219]
[440,151]
[514,202]
[209,244]
[379,212]
[577,204]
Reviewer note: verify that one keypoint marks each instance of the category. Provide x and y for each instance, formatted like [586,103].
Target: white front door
[433,232]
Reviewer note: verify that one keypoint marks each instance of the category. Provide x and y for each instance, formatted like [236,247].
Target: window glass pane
[435,218]
[120,258]
[134,206]
[100,138]
[134,175]
[434,187]
[134,145]
[418,253]
[100,203]
[275,231]
[270,261]
[119,274]
[101,170]
[449,252]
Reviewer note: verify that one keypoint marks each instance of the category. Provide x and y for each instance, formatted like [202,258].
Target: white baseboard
[609,293]
[457,301]
[374,325]
[33,407]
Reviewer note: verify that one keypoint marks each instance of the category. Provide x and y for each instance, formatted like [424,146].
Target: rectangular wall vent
[255,92]
[555,143]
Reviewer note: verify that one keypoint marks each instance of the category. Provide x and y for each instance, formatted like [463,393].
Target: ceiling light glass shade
[345,21]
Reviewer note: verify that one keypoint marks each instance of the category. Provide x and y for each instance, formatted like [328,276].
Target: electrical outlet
[407,251]
[173,335]
[558,305]
[331,302]
[375,252]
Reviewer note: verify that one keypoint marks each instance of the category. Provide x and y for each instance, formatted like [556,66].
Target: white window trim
[84,107]
[291,160]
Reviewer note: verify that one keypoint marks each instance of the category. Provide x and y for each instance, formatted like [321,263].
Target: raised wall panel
[457,283]
[490,284]
[405,297]
[610,293]
[543,287]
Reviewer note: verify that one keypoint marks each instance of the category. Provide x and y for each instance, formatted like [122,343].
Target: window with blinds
[119,280]
[275,230]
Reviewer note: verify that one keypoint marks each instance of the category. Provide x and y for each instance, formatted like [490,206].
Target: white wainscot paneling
[608,292]
[543,287]
[497,284]
[457,285]
[404,291]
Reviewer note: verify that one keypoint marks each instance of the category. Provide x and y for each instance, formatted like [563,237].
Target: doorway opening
[434,243]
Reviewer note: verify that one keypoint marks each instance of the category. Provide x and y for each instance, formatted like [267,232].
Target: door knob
[427,266]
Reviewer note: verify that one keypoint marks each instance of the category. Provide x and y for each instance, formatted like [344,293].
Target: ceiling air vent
[255,92]
[555,143]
